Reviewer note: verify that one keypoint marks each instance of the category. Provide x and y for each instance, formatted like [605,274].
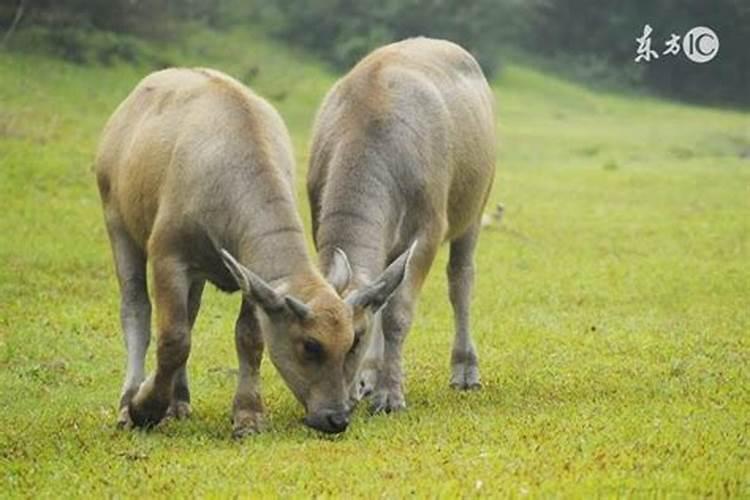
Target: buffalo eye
[312,350]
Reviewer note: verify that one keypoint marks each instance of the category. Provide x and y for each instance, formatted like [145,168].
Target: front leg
[247,410]
[171,286]
[372,363]
[388,395]
[180,408]
[396,319]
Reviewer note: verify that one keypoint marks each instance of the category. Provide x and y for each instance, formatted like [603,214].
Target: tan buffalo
[191,163]
[403,153]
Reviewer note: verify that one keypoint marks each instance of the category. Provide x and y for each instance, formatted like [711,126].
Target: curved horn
[301,310]
[251,284]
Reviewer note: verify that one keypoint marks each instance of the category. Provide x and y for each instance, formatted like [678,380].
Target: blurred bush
[343,31]
[589,41]
[89,46]
[103,32]
[147,18]
[582,32]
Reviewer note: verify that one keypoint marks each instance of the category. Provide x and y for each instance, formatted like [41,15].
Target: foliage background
[590,41]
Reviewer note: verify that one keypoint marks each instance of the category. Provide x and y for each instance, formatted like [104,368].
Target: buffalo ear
[376,294]
[252,285]
[340,273]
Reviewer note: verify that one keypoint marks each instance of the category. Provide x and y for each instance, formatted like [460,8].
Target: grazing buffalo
[403,156]
[195,173]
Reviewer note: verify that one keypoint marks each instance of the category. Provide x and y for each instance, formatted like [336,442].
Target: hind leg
[460,270]
[135,310]
[180,406]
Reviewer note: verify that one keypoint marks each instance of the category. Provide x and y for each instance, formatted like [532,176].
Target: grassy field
[612,309]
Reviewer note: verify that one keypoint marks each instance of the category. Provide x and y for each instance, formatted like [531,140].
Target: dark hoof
[147,415]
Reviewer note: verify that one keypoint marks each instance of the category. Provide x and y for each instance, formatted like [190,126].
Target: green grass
[612,309]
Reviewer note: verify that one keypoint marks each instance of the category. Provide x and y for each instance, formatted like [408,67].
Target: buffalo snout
[330,422]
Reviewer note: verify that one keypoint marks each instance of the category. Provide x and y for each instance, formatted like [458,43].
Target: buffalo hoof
[246,422]
[387,401]
[148,412]
[465,377]
[178,410]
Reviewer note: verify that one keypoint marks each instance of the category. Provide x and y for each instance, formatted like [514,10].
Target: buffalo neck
[272,240]
[357,211]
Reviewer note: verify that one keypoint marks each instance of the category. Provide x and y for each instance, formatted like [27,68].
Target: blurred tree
[18,12]
[86,31]
[606,31]
[600,35]
[598,38]
[344,31]
[153,18]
